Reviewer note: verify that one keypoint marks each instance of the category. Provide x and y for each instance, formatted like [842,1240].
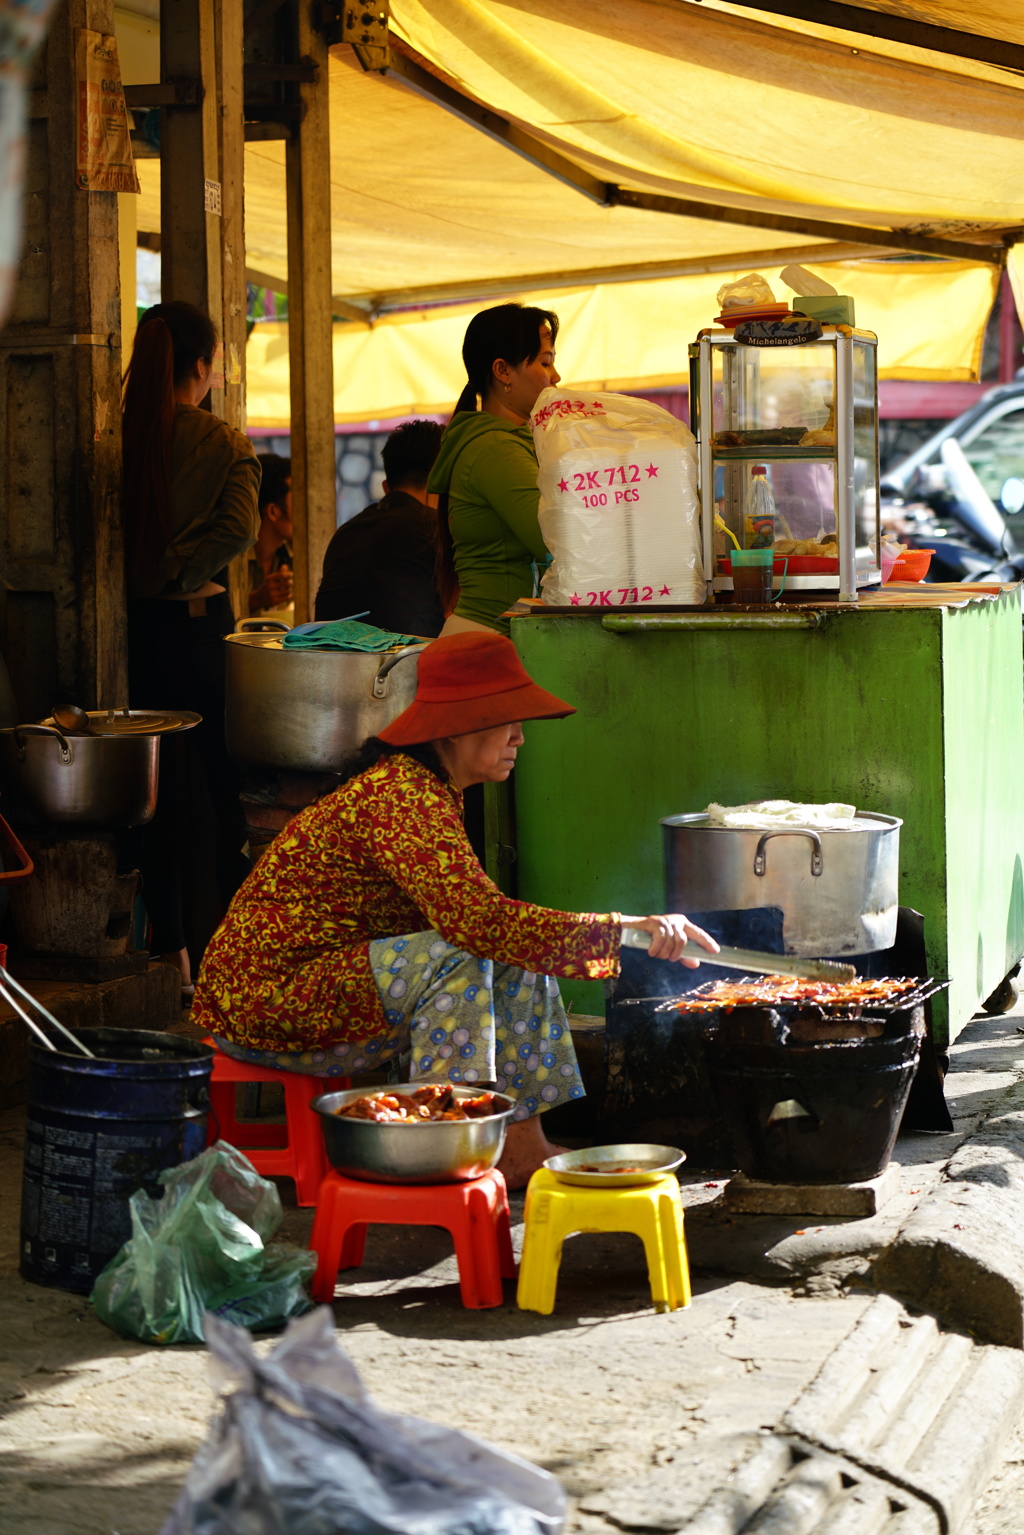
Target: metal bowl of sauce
[615,1167]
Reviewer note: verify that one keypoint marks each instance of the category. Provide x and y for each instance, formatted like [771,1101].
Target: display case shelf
[764,453]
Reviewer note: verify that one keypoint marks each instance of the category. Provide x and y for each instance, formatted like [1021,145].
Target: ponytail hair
[509,333]
[170,340]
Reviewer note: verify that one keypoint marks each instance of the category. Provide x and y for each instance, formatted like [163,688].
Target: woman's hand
[669,936]
[275,591]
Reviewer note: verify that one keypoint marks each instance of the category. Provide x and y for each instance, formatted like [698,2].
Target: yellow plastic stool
[554,1210]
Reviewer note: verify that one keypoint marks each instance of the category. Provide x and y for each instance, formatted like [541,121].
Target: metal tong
[752,960]
[11,990]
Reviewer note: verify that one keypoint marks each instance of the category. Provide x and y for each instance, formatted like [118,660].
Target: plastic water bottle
[759,517]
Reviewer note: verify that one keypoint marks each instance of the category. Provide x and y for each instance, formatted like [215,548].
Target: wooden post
[202,235]
[190,185]
[310,317]
[62,597]
[228,28]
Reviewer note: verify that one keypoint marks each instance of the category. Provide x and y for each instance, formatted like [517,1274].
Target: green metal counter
[914,712]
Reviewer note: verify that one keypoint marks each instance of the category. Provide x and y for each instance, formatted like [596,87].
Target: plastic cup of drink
[752,575]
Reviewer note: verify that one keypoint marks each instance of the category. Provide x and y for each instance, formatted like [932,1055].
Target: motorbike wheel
[1005,996]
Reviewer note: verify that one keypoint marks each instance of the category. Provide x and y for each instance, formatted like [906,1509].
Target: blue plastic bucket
[96,1131]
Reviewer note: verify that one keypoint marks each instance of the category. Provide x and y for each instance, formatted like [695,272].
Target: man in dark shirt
[383,559]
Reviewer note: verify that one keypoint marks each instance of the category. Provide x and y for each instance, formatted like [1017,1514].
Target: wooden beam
[755,218]
[310,311]
[264,133]
[306,70]
[897,29]
[261,15]
[168,93]
[413,74]
[344,309]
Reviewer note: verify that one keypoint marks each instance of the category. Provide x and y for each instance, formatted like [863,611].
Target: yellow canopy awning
[705,102]
[929,318]
[719,110]
[685,98]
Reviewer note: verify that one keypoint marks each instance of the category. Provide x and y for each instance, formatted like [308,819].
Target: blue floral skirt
[466,1020]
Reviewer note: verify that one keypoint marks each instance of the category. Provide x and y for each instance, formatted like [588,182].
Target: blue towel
[346,634]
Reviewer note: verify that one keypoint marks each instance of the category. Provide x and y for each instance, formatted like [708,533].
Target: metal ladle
[70,717]
[10,990]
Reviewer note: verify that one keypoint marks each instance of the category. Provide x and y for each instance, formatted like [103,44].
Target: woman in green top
[486,472]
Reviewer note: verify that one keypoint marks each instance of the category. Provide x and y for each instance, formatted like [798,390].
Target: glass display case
[802,420]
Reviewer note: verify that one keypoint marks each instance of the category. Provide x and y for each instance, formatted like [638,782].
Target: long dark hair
[373,749]
[170,340]
[510,333]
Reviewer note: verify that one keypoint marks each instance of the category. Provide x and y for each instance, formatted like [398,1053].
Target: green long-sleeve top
[489,469]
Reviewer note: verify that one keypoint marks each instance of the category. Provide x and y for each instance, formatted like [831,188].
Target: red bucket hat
[470,682]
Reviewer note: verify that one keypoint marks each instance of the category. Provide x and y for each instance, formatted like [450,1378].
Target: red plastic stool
[476,1214]
[293,1150]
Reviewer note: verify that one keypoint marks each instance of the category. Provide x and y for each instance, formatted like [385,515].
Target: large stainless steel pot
[105,779]
[308,710]
[838,890]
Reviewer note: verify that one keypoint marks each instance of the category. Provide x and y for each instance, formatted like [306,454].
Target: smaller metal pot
[442,1151]
[107,778]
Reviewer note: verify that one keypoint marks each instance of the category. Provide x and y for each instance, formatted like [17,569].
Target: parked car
[962,492]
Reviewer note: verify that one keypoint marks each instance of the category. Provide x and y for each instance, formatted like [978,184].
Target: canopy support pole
[898,29]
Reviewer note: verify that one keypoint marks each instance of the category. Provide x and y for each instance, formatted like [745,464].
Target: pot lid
[134,722]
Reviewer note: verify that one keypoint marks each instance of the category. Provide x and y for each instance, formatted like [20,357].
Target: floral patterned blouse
[387,853]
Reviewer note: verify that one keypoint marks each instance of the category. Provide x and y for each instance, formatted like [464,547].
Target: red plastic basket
[912,565]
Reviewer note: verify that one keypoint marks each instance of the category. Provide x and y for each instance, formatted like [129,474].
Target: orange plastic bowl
[912,566]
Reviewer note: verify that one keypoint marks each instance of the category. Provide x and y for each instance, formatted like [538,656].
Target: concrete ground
[789,1398]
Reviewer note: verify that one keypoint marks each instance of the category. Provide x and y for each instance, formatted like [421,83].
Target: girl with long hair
[489,538]
[190,499]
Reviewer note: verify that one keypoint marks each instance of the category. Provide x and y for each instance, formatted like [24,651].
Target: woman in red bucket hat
[369,927]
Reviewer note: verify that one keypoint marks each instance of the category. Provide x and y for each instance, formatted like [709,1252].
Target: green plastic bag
[202,1246]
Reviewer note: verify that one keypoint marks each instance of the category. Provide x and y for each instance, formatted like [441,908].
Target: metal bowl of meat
[615,1167]
[429,1134]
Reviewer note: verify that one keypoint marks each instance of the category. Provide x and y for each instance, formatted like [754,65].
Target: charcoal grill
[812,1092]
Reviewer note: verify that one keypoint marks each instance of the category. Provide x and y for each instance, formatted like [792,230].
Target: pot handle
[760,857]
[67,755]
[261,626]
[380,681]
[27,866]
